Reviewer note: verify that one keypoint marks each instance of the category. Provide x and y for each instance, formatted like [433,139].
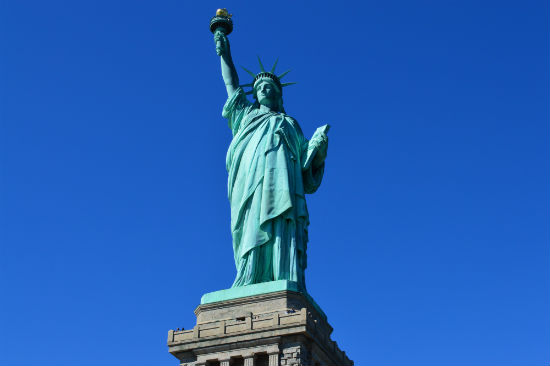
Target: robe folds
[267,183]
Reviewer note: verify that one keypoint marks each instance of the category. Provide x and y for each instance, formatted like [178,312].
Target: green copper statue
[271,167]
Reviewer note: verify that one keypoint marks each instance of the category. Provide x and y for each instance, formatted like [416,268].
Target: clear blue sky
[428,238]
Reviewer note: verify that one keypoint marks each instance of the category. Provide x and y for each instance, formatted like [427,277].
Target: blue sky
[428,237]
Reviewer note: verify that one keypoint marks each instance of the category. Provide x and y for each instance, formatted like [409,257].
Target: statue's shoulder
[237,102]
[288,118]
[293,122]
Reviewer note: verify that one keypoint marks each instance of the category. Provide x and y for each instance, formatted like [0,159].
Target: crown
[263,75]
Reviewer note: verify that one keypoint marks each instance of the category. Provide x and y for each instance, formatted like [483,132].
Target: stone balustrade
[251,323]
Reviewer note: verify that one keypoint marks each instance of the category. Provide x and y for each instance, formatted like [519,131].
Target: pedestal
[282,327]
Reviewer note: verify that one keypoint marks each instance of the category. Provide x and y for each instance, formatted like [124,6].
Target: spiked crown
[263,75]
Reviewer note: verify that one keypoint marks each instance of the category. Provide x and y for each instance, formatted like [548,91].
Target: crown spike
[245,85]
[283,74]
[248,71]
[287,84]
[274,66]
[261,65]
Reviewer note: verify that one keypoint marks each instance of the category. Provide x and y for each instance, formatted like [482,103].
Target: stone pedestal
[271,329]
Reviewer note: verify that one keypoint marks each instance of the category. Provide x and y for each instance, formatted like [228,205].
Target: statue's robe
[267,183]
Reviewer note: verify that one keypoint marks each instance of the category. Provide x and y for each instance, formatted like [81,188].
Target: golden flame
[223,13]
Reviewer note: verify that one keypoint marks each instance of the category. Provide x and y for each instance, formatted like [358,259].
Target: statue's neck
[266,109]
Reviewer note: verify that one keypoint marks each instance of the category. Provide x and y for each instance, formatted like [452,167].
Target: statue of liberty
[271,166]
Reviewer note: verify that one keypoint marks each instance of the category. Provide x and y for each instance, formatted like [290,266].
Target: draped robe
[267,182]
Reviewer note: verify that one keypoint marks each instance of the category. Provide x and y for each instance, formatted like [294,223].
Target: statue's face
[267,93]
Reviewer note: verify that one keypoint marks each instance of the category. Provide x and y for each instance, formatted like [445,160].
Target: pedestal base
[268,329]
[253,291]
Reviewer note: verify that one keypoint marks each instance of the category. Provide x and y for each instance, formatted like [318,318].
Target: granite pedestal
[281,327]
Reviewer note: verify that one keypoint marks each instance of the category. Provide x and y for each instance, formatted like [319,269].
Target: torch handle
[219,42]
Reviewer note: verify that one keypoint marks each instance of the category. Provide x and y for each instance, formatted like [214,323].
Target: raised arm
[229,74]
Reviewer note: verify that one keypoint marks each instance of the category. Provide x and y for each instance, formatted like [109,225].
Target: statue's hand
[321,140]
[222,44]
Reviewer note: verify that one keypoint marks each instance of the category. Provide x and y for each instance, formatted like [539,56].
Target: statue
[271,166]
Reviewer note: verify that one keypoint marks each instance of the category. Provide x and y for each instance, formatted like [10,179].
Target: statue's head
[267,87]
[268,93]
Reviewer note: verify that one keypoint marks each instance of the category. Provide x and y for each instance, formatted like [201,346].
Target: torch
[222,22]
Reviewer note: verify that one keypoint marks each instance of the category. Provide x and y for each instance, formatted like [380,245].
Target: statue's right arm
[229,73]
